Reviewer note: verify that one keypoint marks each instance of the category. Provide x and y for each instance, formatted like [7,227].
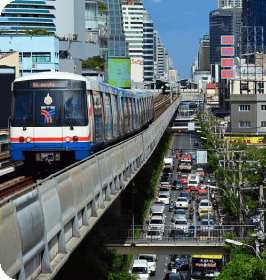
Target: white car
[182,224]
[157,224]
[158,216]
[141,268]
[152,262]
[153,235]
[164,198]
[204,203]
[181,202]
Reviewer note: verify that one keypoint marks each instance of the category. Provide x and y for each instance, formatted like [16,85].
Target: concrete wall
[12,60]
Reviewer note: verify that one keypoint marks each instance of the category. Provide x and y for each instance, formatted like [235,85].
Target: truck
[157,207]
[186,162]
[193,182]
[168,162]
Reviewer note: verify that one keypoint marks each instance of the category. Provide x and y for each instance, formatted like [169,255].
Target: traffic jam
[184,209]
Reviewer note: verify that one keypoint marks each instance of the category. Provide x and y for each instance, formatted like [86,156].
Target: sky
[180,25]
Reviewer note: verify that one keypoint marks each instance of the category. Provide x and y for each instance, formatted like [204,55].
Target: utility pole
[261,200]
[240,197]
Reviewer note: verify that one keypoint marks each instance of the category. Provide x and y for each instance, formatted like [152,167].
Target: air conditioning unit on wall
[34,65]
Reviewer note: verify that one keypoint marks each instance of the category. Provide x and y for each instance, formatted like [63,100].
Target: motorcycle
[191,213]
[193,195]
[214,204]
[171,206]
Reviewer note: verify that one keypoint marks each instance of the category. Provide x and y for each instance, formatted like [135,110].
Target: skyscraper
[229,3]
[32,14]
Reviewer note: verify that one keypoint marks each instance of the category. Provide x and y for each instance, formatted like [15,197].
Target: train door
[98,116]
[108,117]
[115,115]
[134,113]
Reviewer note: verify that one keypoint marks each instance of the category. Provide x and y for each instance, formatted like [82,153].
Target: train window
[98,117]
[78,84]
[125,109]
[75,108]
[108,117]
[130,113]
[22,114]
[134,112]
[115,115]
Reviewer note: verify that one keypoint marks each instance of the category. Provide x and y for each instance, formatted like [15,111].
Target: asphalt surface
[184,141]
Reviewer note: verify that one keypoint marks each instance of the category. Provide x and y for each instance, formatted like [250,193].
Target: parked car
[152,262]
[177,185]
[153,235]
[181,202]
[177,234]
[179,214]
[187,195]
[164,198]
[182,224]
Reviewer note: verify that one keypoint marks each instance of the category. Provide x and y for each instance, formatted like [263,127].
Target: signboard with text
[227,74]
[227,40]
[227,51]
[227,62]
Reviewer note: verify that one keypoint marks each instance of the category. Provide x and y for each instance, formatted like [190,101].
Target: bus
[206,266]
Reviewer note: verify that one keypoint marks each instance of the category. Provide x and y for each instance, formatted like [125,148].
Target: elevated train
[57,116]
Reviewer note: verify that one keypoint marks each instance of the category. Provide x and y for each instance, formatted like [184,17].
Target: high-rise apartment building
[148,47]
[117,40]
[204,53]
[223,22]
[229,3]
[24,13]
[161,60]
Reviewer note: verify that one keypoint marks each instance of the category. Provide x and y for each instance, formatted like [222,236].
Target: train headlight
[21,139]
[67,139]
[38,157]
[28,139]
[75,138]
[57,157]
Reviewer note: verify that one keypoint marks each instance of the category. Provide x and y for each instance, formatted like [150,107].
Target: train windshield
[49,108]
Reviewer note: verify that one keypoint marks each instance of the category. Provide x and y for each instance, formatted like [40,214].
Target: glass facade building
[229,3]
[117,40]
[32,14]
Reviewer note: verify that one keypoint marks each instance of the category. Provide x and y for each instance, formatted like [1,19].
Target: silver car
[205,224]
[154,235]
[179,214]
[182,224]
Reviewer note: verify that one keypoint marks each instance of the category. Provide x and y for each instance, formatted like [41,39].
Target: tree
[95,62]
[101,6]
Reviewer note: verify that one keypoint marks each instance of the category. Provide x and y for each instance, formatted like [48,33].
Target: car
[173,276]
[141,268]
[206,212]
[164,198]
[183,178]
[167,171]
[207,234]
[177,234]
[164,190]
[157,215]
[153,235]
[179,214]
[177,185]
[184,259]
[187,195]
[152,262]
[181,202]
[157,223]
[200,176]
[201,171]
[202,194]
[204,203]
[205,224]
[182,224]
[166,180]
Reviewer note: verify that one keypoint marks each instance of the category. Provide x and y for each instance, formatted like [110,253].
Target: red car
[195,188]
[183,178]
[202,194]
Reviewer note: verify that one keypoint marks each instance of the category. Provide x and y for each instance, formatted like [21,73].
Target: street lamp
[240,244]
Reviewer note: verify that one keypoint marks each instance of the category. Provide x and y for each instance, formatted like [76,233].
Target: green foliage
[101,6]
[95,62]
[37,32]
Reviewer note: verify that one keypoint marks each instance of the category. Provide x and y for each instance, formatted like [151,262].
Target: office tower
[117,40]
[204,53]
[161,60]
[32,14]
[223,22]
[133,29]
[229,3]
[148,47]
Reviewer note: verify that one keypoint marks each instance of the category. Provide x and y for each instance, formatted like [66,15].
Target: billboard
[202,157]
[227,51]
[227,40]
[227,74]
[227,62]
[119,72]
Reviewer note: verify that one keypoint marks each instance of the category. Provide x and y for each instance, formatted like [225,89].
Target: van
[141,268]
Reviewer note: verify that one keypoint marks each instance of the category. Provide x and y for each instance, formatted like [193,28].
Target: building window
[41,57]
[244,124]
[26,54]
[244,107]
[263,107]
[263,124]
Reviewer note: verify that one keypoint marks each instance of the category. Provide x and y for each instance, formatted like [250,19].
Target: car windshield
[163,196]
[180,212]
[183,177]
[185,194]
[156,222]
[193,182]
[181,222]
[140,270]
[148,258]
[165,178]
[153,233]
[206,222]
[164,190]
[167,170]
[205,204]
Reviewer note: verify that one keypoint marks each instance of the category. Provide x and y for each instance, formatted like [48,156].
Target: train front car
[49,118]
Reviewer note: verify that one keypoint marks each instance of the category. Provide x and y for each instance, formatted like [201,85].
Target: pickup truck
[157,207]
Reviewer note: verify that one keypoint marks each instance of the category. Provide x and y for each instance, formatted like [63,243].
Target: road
[184,141]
